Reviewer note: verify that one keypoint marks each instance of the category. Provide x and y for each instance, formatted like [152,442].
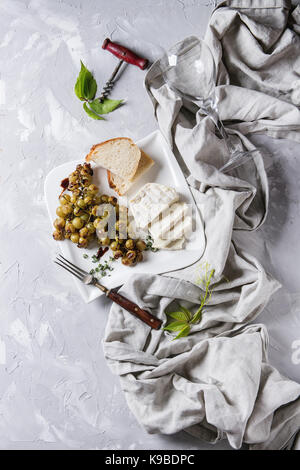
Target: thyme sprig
[149,244]
[102,269]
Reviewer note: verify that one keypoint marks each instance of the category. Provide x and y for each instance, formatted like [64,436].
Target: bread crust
[111,183]
[89,156]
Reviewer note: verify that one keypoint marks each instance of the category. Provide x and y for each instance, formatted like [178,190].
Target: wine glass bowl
[188,68]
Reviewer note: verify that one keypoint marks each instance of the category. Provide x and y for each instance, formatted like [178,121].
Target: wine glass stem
[213,114]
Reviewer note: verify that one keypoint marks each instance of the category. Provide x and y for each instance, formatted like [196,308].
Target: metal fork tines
[125,303]
[72,268]
[82,275]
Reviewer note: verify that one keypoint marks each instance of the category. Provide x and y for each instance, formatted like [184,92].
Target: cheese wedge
[163,225]
[173,245]
[150,201]
[175,237]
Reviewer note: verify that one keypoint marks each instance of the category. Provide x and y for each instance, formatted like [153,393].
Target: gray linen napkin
[214,383]
[217,382]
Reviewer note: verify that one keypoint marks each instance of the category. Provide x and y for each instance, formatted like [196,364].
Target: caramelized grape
[64,199]
[105,241]
[129,244]
[83,232]
[114,246]
[59,211]
[118,254]
[59,223]
[77,222]
[141,245]
[58,235]
[74,238]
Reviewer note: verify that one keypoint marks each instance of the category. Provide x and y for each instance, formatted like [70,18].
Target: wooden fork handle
[131,307]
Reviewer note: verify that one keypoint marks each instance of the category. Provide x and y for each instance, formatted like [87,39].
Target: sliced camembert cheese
[163,225]
[173,245]
[174,238]
[150,201]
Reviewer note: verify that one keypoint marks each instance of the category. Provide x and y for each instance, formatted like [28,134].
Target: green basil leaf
[106,106]
[178,315]
[85,86]
[184,332]
[79,85]
[175,326]
[91,113]
[186,312]
[90,86]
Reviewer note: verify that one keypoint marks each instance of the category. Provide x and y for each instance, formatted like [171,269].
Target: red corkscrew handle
[124,54]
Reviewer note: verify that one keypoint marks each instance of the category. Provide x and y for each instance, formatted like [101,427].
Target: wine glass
[189,69]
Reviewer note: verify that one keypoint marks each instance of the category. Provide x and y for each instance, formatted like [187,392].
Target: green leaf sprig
[183,318]
[86,89]
[149,244]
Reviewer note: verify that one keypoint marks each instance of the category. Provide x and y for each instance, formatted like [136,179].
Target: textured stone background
[56,391]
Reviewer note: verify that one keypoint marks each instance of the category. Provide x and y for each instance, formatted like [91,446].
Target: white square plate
[165,171]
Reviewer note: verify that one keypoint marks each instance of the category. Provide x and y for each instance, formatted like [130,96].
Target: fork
[127,304]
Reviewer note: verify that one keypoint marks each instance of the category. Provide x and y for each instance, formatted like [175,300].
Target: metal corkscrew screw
[107,87]
[125,55]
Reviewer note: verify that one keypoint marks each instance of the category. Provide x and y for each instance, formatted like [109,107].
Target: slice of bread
[120,185]
[120,156]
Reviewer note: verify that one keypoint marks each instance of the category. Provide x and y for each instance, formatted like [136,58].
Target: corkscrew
[123,54]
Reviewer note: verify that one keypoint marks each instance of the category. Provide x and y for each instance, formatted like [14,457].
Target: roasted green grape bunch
[78,217]
[75,211]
